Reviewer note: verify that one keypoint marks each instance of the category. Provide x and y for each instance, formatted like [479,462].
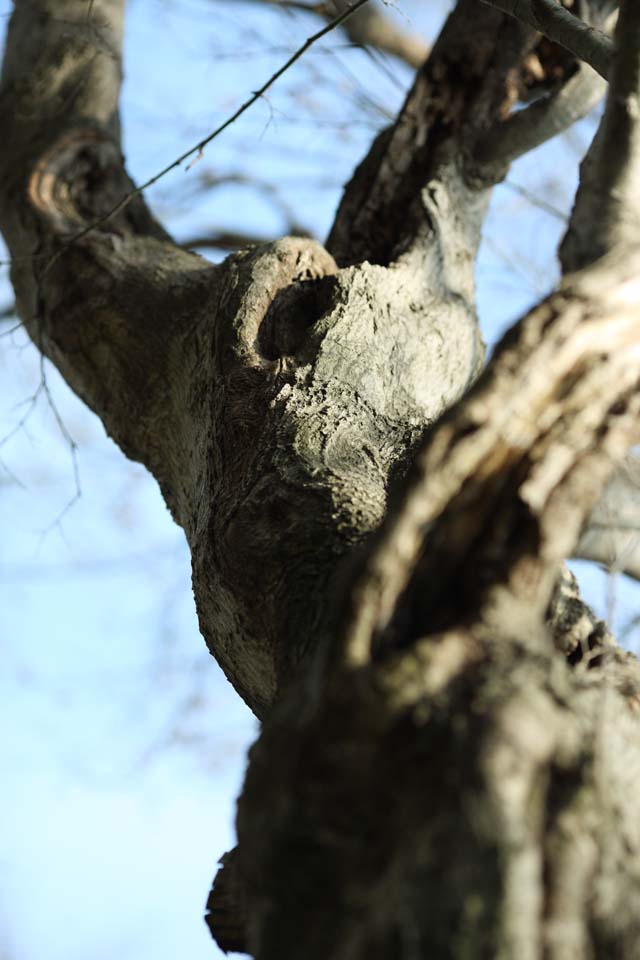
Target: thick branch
[466,82]
[520,452]
[607,209]
[550,18]
[546,117]
[370,27]
[99,308]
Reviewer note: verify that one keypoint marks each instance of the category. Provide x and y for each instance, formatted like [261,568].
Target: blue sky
[123,745]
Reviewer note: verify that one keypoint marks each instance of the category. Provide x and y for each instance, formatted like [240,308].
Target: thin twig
[31,402]
[257,95]
[11,330]
[535,200]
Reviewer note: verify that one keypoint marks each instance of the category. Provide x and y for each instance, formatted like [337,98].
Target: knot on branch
[59,187]
[291,314]
[80,182]
[273,295]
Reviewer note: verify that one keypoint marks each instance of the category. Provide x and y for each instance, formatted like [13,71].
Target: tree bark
[449,758]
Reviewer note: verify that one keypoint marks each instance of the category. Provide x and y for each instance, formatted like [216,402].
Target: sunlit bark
[449,759]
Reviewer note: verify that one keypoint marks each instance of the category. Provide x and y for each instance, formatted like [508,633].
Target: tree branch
[465,83]
[232,240]
[550,18]
[511,441]
[62,137]
[368,27]
[546,117]
[607,209]
[136,191]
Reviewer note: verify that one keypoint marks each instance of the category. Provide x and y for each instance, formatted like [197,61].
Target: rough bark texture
[449,759]
[503,774]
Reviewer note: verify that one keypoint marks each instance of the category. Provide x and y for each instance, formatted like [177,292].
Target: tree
[448,760]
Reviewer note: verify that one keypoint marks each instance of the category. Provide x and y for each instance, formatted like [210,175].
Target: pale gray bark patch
[311,409]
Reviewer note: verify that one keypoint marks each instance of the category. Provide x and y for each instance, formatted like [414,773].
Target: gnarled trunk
[449,758]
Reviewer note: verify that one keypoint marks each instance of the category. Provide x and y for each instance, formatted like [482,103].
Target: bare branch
[368,27]
[550,18]
[535,200]
[223,240]
[371,28]
[607,209]
[62,127]
[197,149]
[465,83]
[543,119]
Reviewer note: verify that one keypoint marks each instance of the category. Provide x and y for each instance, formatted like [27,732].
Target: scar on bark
[62,186]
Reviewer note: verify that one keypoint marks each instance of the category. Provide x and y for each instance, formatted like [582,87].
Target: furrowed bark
[262,394]
[456,132]
[451,784]
[449,758]
[470,76]
[590,332]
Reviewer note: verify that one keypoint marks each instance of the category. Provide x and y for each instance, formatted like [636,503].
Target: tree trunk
[450,757]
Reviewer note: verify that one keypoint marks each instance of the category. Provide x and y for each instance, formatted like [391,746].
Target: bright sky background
[122,745]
